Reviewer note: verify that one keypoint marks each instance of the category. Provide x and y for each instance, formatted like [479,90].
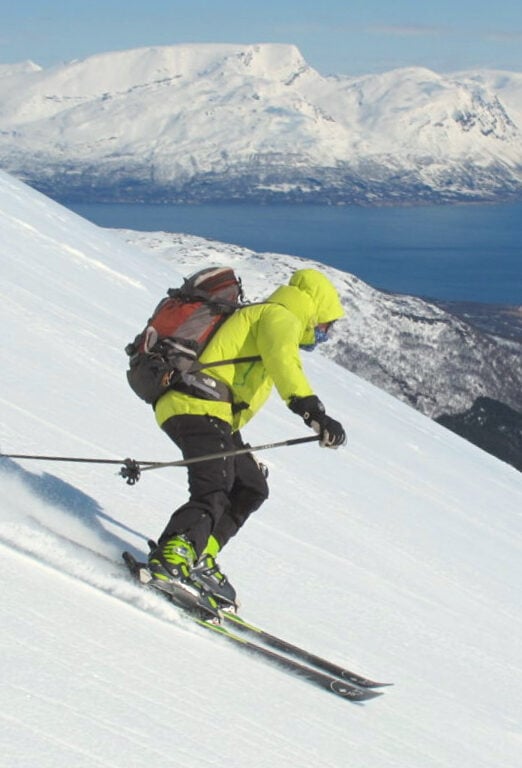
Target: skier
[224,492]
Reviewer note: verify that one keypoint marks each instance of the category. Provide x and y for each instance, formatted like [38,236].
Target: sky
[334,36]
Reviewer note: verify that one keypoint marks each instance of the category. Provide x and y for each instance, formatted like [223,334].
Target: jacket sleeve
[278,335]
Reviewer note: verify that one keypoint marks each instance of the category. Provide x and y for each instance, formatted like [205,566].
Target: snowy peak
[120,71]
[270,61]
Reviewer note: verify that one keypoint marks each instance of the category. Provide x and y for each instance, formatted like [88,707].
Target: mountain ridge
[256,122]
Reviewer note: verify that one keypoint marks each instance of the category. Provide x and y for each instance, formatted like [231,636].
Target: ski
[300,653]
[327,680]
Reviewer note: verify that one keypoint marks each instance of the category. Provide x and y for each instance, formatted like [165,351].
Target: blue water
[453,253]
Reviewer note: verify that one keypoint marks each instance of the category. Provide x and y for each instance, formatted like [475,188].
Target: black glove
[312,410]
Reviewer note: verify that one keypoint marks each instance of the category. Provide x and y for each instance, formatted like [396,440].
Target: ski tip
[352,693]
[370,683]
[363,682]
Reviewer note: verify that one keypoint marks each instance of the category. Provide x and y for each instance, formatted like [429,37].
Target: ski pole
[132,470]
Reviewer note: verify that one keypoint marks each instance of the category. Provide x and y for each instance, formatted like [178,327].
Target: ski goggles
[321,332]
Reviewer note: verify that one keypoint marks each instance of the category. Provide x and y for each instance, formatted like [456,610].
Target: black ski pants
[223,492]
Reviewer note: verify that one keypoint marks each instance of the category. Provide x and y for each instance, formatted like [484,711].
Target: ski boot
[170,566]
[208,574]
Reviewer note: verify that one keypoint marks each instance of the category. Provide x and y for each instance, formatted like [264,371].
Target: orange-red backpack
[165,354]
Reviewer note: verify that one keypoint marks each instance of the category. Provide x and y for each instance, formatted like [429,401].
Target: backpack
[165,354]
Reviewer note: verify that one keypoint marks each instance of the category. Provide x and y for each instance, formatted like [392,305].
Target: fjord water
[450,252]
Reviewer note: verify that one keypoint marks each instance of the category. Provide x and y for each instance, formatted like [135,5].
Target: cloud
[505,37]
[405,30]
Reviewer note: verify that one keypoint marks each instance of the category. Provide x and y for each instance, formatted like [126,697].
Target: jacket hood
[322,292]
[312,298]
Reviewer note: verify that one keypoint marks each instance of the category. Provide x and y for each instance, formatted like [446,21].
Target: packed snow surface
[398,555]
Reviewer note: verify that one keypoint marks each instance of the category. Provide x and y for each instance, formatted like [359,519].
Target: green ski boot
[170,566]
[209,575]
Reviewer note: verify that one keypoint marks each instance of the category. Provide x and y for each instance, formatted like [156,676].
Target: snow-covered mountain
[415,350]
[491,425]
[398,555]
[232,122]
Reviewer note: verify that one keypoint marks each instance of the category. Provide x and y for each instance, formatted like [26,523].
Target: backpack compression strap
[252,359]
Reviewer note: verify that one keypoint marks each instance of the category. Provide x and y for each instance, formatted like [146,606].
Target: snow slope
[398,555]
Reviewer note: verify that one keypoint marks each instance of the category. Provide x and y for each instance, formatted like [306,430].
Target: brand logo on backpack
[165,354]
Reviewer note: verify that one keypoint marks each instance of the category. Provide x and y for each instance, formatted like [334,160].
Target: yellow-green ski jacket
[274,331]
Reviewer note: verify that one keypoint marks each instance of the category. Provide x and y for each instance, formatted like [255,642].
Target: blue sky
[348,37]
